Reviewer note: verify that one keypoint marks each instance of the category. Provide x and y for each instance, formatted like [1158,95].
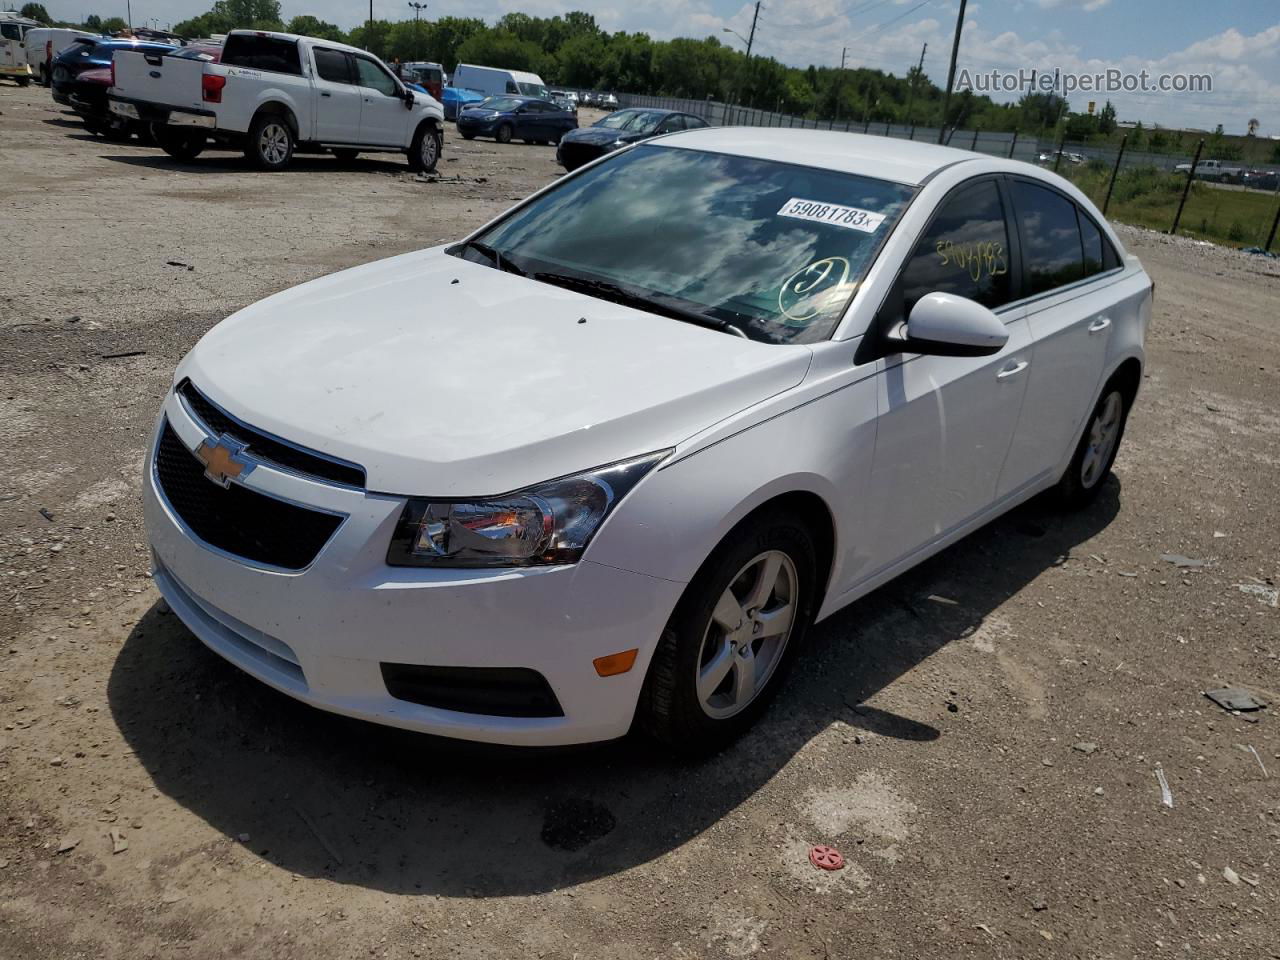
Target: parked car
[45,43]
[609,102]
[346,101]
[428,75]
[92,53]
[1212,170]
[562,99]
[1261,179]
[618,130]
[454,98]
[531,119]
[1051,157]
[493,81]
[729,382]
[13,48]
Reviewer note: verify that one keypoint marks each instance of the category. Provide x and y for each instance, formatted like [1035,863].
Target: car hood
[596,136]
[478,113]
[443,377]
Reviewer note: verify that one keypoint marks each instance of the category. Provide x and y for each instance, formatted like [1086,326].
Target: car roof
[884,158]
[276,35]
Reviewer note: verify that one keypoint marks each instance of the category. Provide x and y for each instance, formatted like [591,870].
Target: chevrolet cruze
[603,463]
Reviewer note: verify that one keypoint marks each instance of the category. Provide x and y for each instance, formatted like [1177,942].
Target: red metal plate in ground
[826,858]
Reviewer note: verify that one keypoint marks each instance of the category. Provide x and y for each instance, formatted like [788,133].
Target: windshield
[633,121]
[532,90]
[501,104]
[773,249]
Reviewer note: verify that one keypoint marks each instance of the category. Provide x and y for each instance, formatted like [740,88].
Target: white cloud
[1087,5]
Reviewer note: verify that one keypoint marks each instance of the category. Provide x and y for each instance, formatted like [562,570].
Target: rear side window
[1091,242]
[332,65]
[693,123]
[672,124]
[262,53]
[965,251]
[1052,255]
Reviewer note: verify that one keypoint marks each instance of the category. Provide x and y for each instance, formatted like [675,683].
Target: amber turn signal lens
[615,663]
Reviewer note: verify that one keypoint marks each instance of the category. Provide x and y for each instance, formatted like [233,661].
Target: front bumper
[321,634]
[19,71]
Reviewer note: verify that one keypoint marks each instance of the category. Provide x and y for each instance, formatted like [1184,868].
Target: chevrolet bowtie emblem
[222,460]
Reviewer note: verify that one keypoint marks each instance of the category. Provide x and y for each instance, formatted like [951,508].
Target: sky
[1237,42]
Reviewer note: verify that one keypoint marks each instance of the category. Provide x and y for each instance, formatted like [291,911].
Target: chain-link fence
[1222,203]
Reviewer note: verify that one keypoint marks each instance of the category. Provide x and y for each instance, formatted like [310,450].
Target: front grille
[267,448]
[490,691]
[576,154]
[238,520]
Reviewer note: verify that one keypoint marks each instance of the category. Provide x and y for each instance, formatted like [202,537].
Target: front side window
[10,31]
[533,90]
[502,104]
[332,65]
[1051,250]
[771,250]
[373,76]
[965,251]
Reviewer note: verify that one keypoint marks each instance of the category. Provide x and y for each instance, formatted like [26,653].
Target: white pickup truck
[1211,170]
[276,93]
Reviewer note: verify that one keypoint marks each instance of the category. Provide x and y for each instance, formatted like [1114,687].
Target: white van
[45,43]
[13,48]
[493,81]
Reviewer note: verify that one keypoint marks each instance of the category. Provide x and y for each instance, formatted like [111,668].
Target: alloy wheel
[1104,431]
[273,143]
[748,633]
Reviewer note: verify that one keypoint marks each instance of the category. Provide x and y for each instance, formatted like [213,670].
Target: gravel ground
[981,738]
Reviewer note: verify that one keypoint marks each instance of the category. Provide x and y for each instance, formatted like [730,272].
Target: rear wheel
[270,143]
[23,81]
[94,127]
[178,144]
[729,641]
[503,134]
[1096,452]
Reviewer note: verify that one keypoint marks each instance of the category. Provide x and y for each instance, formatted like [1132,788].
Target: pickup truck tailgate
[171,81]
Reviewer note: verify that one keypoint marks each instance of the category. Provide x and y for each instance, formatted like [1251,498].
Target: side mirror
[409,99]
[945,325]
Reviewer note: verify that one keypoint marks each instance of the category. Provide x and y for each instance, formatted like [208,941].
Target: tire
[146,134]
[270,143]
[181,146]
[503,133]
[424,151]
[1096,452]
[23,81]
[671,708]
[117,132]
[467,136]
[346,156]
[93,127]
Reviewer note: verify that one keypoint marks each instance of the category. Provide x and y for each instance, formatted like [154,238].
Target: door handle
[1011,371]
[325,93]
[1099,324]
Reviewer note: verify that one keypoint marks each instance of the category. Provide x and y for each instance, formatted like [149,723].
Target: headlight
[548,523]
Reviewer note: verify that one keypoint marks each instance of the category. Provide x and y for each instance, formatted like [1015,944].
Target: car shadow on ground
[321,795]
[236,163]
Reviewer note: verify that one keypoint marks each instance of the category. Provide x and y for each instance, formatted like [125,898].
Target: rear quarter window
[262,53]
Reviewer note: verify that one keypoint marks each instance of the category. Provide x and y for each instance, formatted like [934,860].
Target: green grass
[1146,197]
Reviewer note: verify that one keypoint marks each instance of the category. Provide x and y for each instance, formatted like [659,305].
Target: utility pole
[951,73]
[911,94]
[751,38]
[840,80]
[417,9]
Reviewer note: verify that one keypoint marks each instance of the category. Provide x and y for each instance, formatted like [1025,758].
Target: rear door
[1067,263]
[338,99]
[383,117]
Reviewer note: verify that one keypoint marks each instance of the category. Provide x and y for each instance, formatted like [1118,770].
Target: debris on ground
[178,263]
[1166,795]
[68,844]
[1235,699]
[1084,747]
[1178,560]
[1230,876]
[121,355]
[1267,594]
[48,515]
[1250,748]
[945,601]
[826,858]
[118,842]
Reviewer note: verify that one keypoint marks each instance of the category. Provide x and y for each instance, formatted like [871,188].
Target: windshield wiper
[500,259]
[607,290]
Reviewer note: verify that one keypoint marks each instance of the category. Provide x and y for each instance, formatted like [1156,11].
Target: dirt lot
[987,765]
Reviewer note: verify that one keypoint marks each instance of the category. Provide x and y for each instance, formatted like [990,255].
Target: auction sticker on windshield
[833,213]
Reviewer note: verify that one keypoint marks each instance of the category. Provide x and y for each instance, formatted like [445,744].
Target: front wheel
[270,144]
[23,81]
[722,655]
[1096,452]
[424,152]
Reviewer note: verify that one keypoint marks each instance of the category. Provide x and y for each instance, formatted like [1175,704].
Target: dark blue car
[504,118]
[619,129]
[88,53]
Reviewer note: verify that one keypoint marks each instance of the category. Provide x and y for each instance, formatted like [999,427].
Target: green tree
[36,11]
[496,48]
[309,26]
[114,25]
[447,34]
[93,22]
[1107,119]
[372,35]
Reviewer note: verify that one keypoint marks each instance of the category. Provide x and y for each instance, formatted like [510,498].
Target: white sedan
[603,463]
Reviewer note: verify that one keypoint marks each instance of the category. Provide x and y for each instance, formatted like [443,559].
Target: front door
[338,99]
[945,424]
[383,117]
